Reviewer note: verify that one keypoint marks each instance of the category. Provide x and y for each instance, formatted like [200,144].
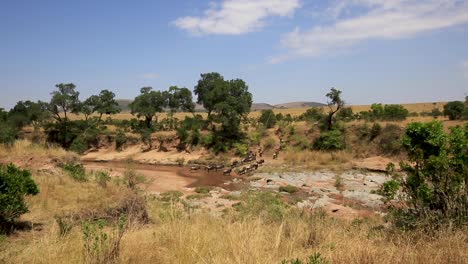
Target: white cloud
[150,76]
[380,19]
[235,17]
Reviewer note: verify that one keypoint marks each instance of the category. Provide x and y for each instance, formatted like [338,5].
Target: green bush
[203,189]
[288,189]
[120,140]
[8,133]
[389,142]
[15,184]
[76,171]
[79,145]
[454,110]
[375,131]
[102,178]
[267,118]
[330,140]
[436,183]
[299,141]
[267,205]
[313,259]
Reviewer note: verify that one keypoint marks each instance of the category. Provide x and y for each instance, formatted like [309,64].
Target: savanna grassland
[83,182]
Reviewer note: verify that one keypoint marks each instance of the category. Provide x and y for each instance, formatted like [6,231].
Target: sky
[388,51]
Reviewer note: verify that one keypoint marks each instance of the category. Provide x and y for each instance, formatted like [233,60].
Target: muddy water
[164,178]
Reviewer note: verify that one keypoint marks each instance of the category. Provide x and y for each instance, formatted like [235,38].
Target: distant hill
[123,103]
[298,105]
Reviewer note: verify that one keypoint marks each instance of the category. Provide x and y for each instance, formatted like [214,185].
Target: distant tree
[148,104]
[104,103]
[345,114]
[29,113]
[394,112]
[230,101]
[209,90]
[454,110]
[335,103]
[313,114]
[268,118]
[65,100]
[180,99]
[377,111]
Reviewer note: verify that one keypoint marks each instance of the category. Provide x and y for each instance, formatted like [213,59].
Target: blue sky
[390,51]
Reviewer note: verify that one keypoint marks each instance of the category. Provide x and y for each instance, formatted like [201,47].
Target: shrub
[313,259]
[313,114]
[241,149]
[390,140]
[389,189]
[76,171]
[171,196]
[8,134]
[203,189]
[375,131]
[267,205]
[454,110]
[269,144]
[288,189]
[394,112]
[346,114]
[436,185]
[300,142]
[330,140]
[102,178]
[267,118]
[15,184]
[79,145]
[120,140]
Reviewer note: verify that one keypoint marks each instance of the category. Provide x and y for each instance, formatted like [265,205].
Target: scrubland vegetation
[52,210]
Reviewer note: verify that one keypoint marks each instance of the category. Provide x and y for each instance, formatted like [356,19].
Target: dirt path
[164,178]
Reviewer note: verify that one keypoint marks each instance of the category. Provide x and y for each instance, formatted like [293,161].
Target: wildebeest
[275,155]
[235,164]
[227,171]
[261,161]
[218,167]
[209,167]
[194,168]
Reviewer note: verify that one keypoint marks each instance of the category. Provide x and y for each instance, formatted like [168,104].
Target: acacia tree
[148,104]
[335,103]
[209,91]
[104,103]
[29,113]
[454,110]
[65,100]
[180,99]
[229,100]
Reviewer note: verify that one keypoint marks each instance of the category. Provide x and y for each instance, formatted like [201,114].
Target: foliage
[102,178]
[120,140]
[15,184]
[346,114]
[389,189]
[288,189]
[454,110]
[241,149]
[313,259]
[8,133]
[335,104]
[330,140]
[389,142]
[203,189]
[436,182]
[392,112]
[268,118]
[104,103]
[313,114]
[147,104]
[64,100]
[267,205]
[76,171]
[101,246]
[79,145]
[28,113]
[180,98]
[230,101]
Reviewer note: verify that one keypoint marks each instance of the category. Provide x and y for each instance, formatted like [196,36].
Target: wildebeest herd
[245,165]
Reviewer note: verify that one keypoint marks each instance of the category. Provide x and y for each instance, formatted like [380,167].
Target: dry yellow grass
[177,235]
